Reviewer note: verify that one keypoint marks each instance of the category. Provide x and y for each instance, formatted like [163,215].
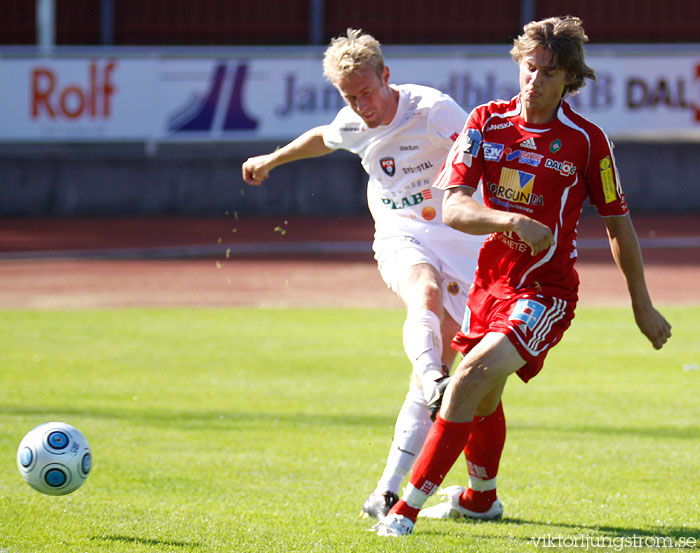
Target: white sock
[422,342]
[411,428]
[481,485]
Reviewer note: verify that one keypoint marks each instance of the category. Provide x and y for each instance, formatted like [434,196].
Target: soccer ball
[54,458]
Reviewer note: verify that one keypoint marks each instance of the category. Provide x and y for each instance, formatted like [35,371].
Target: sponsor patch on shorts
[528,312]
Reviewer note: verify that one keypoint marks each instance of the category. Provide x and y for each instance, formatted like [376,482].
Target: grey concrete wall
[660,176]
[89,180]
[196,180]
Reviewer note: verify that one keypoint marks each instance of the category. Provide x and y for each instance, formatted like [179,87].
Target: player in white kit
[402,135]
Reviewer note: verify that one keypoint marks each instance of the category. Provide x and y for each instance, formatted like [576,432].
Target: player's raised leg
[427,333]
[411,428]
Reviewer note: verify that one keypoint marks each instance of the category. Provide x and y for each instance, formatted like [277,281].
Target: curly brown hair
[564,38]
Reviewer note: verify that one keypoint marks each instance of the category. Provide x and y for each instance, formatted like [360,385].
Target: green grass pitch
[263,430]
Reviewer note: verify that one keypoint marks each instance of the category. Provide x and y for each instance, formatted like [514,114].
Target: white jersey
[402,160]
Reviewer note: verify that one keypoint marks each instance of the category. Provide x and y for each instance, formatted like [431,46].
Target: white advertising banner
[77,99]
[166,99]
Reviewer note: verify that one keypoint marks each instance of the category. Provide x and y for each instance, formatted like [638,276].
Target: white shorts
[454,260]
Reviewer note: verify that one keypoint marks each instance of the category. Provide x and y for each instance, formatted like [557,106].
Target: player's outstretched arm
[461,212]
[310,144]
[628,257]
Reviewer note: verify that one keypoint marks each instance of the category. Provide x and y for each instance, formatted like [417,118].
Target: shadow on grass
[662,537]
[199,420]
[672,532]
[146,541]
[664,432]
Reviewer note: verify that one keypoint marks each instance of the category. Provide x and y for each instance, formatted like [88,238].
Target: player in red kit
[538,161]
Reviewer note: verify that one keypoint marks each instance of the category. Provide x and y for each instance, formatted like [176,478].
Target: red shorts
[533,324]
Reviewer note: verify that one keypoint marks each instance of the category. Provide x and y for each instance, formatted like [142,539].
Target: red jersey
[544,171]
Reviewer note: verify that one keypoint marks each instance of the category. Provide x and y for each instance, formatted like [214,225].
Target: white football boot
[393,526]
[450,507]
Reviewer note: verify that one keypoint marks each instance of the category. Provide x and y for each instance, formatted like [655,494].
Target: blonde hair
[563,37]
[355,51]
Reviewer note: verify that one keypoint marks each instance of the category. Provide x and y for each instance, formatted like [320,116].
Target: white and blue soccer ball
[54,458]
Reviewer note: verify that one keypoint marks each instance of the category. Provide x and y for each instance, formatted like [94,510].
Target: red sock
[485,444]
[444,443]
[483,452]
[479,502]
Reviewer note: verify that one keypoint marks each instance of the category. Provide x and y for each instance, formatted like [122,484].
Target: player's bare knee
[431,296]
[424,279]
[480,377]
[469,377]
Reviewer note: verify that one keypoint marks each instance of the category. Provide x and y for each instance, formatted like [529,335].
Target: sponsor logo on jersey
[530,158]
[511,155]
[428,213]
[529,143]
[516,186]
[388,165]
[411,239]
[417,168]
[352,127]
[493,151]
[410,200]
[555,146]
[498,126]
[527,158]
[565,168]
[409,148]
[453,288]
[512,241]
[606,177]
[472,143]
[527,312]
